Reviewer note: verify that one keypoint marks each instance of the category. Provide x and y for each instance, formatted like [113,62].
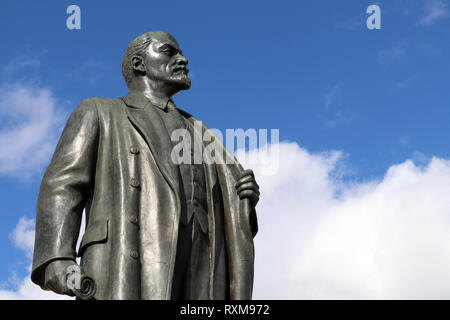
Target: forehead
[162,38]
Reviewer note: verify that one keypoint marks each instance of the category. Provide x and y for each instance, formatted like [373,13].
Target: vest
[193,199]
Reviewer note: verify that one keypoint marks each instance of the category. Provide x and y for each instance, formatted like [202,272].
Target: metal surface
[113,160]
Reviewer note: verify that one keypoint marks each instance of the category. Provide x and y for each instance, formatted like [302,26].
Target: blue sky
[311,69]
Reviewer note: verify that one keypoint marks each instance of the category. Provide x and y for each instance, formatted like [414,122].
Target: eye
[169,51]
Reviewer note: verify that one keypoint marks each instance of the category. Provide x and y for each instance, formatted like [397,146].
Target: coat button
[135,183]
[134,254]
[133,219]
[134,150]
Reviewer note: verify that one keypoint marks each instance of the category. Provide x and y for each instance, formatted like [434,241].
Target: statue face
[165,63]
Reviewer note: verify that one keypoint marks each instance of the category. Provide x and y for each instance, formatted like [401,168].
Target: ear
[137,62]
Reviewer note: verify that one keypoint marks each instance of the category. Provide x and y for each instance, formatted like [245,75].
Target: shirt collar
[161,103]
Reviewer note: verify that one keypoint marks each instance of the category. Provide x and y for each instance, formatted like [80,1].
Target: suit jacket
[109,153]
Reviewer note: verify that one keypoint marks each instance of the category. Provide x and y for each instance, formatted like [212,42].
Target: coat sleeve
[65,188]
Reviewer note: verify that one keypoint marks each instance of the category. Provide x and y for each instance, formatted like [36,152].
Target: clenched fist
[56,276]
[247,188]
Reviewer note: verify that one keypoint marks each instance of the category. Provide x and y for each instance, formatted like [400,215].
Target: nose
[182,59]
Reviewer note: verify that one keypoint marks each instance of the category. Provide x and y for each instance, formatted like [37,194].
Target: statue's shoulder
[186,114]
[103,105]
[103,102]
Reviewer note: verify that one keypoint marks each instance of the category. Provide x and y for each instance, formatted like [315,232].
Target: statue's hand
[247,188]
[56,276]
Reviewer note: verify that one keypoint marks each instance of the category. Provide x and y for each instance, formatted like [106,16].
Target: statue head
[155,58]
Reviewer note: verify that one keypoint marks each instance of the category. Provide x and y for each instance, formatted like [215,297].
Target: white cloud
[23,235]
[29,123]
[336,114]
[434,11]
[320,238]
[404,140]
[333,95]
[402,84]
[29,291]
[399,86]
[23,289]
[20,63]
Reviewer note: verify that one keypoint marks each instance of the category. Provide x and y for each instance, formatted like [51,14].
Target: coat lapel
[199,134]
[150,125]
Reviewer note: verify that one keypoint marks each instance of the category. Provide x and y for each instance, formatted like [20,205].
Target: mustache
[178,68]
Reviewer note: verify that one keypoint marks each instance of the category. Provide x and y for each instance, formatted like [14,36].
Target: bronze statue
[155,229]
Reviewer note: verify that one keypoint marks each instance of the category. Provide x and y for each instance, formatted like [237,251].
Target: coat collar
[138,100]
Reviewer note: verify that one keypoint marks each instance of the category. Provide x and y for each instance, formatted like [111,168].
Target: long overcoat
[113,160]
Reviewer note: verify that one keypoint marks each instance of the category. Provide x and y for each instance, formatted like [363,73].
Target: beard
[176,80]
[180,81]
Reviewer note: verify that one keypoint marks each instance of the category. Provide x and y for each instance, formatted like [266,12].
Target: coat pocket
[96,232]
